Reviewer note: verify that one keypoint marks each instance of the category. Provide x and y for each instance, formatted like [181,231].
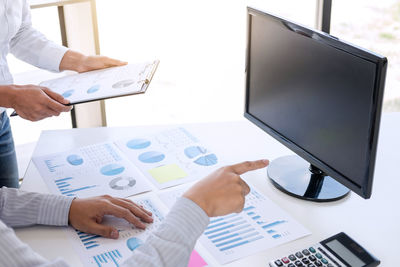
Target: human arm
[220,193]
[13,252]
[34,102]
[31,46]
[18,208]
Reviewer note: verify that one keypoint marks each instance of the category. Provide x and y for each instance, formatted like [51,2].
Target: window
[374,25]
[201,47]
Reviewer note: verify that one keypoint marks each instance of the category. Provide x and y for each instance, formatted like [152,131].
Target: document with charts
[170,157]
[106,83]
[91,171]
[95,250]
[260,226]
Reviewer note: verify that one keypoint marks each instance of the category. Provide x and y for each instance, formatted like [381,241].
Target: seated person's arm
[18,208]
[220,193]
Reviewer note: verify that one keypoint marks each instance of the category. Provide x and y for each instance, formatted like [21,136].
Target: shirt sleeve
[33,47]
[172,243]
[18,208]
[13,252]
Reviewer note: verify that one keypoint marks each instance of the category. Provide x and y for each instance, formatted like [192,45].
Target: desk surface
[373,223]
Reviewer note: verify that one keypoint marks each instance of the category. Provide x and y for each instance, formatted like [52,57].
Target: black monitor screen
[318,97]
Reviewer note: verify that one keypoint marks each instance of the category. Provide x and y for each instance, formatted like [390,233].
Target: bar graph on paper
[261,225]
[91,171]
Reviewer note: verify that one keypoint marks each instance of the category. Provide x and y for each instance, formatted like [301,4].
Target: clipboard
[130,79]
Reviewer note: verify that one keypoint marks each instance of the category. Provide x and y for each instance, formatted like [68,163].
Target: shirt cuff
[51,56]
[54,210]
[189,217]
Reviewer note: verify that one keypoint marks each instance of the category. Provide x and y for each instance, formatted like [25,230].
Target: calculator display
[345,253]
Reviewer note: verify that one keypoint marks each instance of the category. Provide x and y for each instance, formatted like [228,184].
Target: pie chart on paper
[68,93]
[133,243]
[151,157]
[112,169]
[93,89]
[194,151]
[207,160]
[123,84]
[74,160]
[138,143]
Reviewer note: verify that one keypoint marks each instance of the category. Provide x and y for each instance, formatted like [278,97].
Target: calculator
[336,251]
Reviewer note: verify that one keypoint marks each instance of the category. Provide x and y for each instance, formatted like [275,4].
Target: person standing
[31,102]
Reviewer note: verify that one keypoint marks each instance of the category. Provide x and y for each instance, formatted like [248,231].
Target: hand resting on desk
[87,214]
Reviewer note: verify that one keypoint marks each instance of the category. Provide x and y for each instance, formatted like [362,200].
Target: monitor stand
[296,177]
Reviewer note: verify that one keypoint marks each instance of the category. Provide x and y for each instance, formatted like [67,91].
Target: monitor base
[296,177]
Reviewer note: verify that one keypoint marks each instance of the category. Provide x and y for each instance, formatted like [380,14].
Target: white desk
[374,223]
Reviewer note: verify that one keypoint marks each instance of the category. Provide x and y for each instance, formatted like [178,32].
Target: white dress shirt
[19,37]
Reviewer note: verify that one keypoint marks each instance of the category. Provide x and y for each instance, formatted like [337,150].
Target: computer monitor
[319,96]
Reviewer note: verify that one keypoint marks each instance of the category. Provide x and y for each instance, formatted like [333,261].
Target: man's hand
[87,214]
[33,102]
[78,62]
[223,191]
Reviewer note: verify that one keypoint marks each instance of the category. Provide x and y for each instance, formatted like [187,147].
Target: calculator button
[306,252]
[319,256]
[292,257]
[278,263]
[299,255]
[298,263]
[311,265]
[324,261]
[305,261]
[312,250]
[318,263]
[285,260]
[291,265]
[312,258]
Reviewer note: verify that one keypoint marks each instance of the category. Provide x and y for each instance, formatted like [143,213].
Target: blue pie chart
[68,93]
[151,157]
[138,143]
[112,169]
[207,160]
[93,89]
[75,160]
[133,243]
[194,151]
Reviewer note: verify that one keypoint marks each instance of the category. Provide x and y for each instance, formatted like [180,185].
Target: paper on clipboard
[106,83]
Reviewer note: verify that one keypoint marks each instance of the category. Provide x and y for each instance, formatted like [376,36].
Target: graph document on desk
[170,157]
[260,226]
[95,250]
[91,171]
[101,84]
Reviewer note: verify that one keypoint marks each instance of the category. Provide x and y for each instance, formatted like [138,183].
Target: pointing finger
[246,166]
